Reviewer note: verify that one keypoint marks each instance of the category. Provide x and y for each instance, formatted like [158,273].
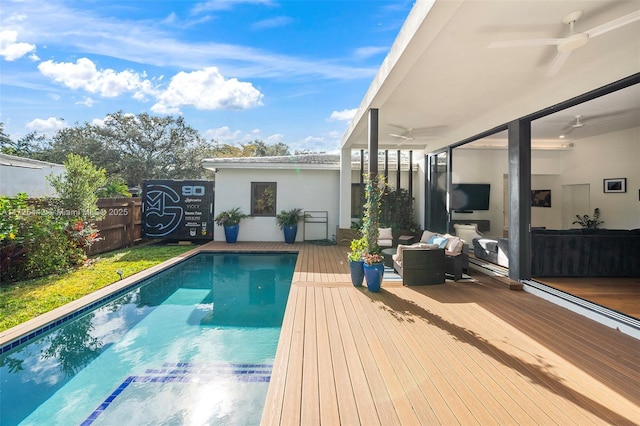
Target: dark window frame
[260,207]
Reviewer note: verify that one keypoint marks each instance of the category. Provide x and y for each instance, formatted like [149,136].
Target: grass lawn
[24,300]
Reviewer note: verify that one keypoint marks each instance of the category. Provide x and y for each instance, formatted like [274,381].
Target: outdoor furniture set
[429,260]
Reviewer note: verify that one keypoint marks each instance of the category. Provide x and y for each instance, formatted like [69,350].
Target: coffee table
[387,255]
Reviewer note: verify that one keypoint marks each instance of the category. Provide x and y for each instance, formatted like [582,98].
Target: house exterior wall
[33,181]
[311,190]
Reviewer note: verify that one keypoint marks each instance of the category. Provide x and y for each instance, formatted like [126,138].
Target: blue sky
[237,70]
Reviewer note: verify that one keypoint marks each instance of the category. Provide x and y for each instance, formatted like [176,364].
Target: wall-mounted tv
[470,196]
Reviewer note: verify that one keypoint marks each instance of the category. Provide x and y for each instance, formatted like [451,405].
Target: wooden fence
[122,225]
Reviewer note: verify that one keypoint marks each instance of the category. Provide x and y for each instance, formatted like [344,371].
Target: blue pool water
[192,345]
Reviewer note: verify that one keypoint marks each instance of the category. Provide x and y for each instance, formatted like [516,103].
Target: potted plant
[588,223]
[375,187]
[356,261]
[288,222]
[230,219]
[373,271]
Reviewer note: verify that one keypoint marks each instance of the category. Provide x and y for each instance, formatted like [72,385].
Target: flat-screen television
[470,196]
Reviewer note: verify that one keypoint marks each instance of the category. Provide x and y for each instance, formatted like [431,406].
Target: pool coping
[23,333]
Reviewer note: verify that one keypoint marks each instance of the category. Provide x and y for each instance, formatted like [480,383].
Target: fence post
[131,226]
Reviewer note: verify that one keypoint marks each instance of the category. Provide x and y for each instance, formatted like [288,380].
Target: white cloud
[225,4]
[224,135]
[238,137]
[369,51]
[87,102]
[10,49]
[277,22]
[84,75]
[207,89]
[344,115]
[50,125]
[275,138]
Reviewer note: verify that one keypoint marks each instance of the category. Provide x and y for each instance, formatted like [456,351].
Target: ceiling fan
[411,134]
[581,121]
[574,40]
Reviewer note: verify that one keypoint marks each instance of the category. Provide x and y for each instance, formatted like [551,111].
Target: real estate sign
[177,209]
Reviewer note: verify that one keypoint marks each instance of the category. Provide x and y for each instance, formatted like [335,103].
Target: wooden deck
[471,352]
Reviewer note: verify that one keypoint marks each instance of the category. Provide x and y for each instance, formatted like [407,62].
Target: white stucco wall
[614,155]
[24,175]
[311,190]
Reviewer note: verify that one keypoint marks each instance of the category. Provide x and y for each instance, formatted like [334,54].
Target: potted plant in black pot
[230,220]
[288,222]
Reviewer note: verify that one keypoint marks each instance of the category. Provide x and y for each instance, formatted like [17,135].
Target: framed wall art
[540,198]
[615,185]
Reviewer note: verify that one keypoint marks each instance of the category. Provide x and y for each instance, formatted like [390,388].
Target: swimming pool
[193,344]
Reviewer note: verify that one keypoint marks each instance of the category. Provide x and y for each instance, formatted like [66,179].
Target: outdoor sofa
[412,261]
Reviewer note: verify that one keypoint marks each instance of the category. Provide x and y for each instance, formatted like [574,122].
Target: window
[263,198]
[357,200]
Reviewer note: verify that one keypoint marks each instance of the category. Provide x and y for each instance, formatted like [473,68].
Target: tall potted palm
[288,222]
[230,220]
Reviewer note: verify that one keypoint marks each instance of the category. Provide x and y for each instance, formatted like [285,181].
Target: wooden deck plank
[419,334]
[310,383]
[292,397]
[364,401]
[345,392]
[466,322]
[385,369]
[328,401]
[460,353]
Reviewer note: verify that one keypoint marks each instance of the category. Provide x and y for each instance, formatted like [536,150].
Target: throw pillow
[385,234]
[426,236]
[440,241]
[455,245]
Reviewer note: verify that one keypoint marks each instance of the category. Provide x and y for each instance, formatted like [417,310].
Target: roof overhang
[441,78]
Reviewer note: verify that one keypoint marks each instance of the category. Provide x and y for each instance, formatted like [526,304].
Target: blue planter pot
[357,272]
[290,232]
[231,233]
[373,274]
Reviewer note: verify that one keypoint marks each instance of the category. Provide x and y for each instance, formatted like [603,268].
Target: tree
[77,188]
[29,145]
[135,147]
[257,148]
[261,149]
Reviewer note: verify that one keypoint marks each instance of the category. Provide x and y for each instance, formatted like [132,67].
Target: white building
[19,174]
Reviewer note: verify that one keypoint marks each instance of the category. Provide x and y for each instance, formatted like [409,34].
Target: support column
[373,142]
[519,199]
[411,174]
[399,170]
[344,221]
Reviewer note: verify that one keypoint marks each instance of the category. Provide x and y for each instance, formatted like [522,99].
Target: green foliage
[77,188]
[257,148]
[375,187]
[42,237]
[27,299]
[290,217]
[134,147]
[115,187]
[588,222]
[230,217]
[397,210]
[358,249]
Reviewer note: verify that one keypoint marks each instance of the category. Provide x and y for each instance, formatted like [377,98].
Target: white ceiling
[443,80]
